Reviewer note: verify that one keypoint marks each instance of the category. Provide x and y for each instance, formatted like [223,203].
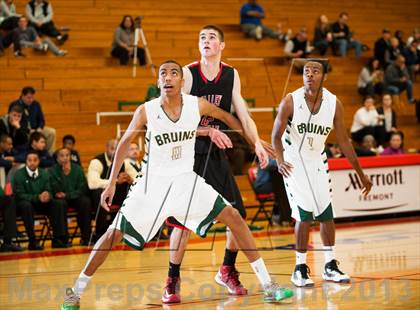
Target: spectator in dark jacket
[6,158]
[298,47]
[37,143]
[322,35]
[343,38]
[69,142]
[388,119]
[33,194]
[382,45]
[69,184]
[12,125]
[397,79]
[40,15]
[367,147]
[412,59]
[370,80]
[33,117]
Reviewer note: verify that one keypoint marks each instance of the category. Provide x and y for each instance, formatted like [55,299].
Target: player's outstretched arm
[285,112]
[137,123]
[347,148]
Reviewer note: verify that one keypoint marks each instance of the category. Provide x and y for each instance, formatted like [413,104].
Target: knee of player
[114,235]
[232,214]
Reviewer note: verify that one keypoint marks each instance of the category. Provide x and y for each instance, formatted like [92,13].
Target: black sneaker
[301,276]
[332,273]
[10,247]
[19,54]
[62,38]
[35,246]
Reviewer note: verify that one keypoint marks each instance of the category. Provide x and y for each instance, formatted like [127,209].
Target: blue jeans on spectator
[251,30]
[343,45]
[399,87]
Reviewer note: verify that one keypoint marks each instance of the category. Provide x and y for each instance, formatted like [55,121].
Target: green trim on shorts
[128,229]
[327,215]
[304,215]
[218,206]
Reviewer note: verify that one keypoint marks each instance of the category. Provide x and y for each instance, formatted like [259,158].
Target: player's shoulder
[192,65]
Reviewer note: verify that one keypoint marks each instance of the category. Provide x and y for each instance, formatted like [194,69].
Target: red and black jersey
[218,92]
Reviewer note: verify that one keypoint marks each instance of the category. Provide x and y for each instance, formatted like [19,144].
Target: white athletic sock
[300,258]
[329,253]
[261,272]
[81,283]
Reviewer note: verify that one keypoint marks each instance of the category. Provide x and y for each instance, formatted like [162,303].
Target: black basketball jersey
[218,92]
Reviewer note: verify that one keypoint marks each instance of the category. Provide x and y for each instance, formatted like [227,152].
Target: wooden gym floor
[383,258]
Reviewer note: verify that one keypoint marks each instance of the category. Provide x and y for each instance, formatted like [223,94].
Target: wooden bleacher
[72,89]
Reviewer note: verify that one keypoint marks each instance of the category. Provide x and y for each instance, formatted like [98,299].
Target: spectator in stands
[333,151]
[8,17]
[382,45]
[393,52]
[27,37]
[69,142]
[395,144]
[367,148]
[12,125]
[397,79]
[123,42]
[370,80]
[387,120]
[412,59]
[414,37]
[69,184]
[40,15]
[8,210]
[400,37]
[322,36]
[251,16]
[343,38]
[132,163]
[298,47]
[365,120]
[98,173]
[33,117]
[33,195]
[269,180]
[6,158]
[37,143]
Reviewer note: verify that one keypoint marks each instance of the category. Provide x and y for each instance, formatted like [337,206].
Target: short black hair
[31,152]
[28,90]
[367,97]
[323,62]
[170,61]
[36,136]
[397,133]
[16,108]
[69,137]
[63,148]
[218,30]
[4,137]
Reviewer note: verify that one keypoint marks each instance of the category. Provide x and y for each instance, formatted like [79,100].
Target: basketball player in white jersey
[303,123]
[169,186]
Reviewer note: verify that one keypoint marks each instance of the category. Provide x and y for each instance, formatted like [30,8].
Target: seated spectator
[37,143]
[333,151]
[33,117]
[123,42]
[343,38]
[269,180]
[69,142]
[27,37]
[33,195]
[367,148]
[397,79]
[388,119]
[8,210]
[370,80]
[251,16]
[411,54]
[97,177]
[40,15]
[12,125]
[6,158]
[8,17]
[322,35]
[400,37]
[414,37]
[393,52]
[382,45]
[131,163]
[69,184]
[298,47]
[365,121]
[395,144]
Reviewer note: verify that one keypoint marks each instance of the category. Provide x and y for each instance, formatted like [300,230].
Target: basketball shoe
[172,293]
[301,276]
[332,273]
[228,277]
[71,301]
[274,292]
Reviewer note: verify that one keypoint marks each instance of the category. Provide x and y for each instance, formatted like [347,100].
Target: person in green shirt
[33,195]
[69,185]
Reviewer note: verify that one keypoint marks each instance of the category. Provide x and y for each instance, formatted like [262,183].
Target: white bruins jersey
[314,132]
[170,144]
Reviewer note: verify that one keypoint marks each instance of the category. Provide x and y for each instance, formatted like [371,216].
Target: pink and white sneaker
[228,277]
[172,293]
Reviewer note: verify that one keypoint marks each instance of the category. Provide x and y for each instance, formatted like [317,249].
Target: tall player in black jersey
[220,84]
